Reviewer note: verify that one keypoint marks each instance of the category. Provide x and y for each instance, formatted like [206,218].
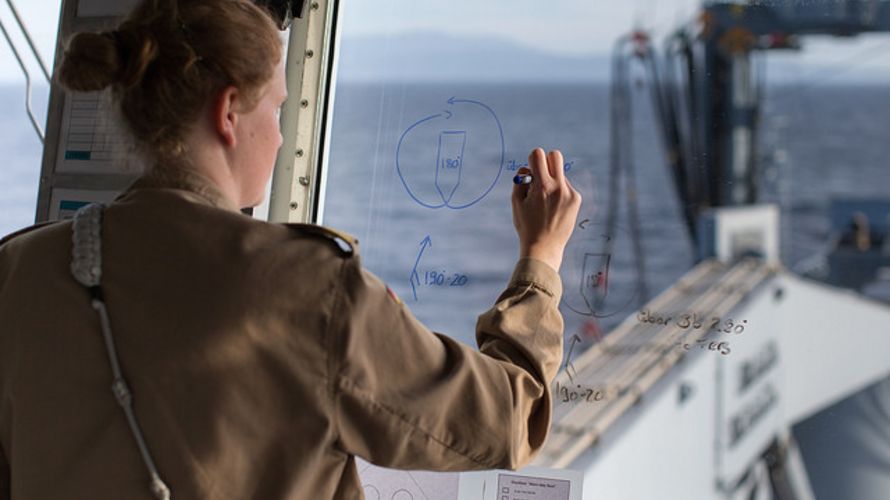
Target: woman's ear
[225,115]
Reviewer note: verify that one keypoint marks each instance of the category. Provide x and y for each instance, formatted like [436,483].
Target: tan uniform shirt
[262,358]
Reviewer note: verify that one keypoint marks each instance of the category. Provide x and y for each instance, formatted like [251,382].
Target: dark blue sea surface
[421,174]
[411,166]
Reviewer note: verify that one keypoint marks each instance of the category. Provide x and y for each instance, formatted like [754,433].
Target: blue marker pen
[523,179]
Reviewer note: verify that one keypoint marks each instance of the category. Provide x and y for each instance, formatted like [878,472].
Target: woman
[251,360]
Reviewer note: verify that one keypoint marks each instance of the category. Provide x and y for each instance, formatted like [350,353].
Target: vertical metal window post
[310,76]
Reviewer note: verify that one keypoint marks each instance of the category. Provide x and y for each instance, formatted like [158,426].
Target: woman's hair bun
[95,61]
[167,60]
[91,62]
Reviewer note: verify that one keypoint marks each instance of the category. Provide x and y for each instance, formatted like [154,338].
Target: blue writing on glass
[513,165]
[415,277]
[451,156]
[441,278]
[449,162]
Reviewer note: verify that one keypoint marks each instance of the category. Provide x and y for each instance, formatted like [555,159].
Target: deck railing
[29,84]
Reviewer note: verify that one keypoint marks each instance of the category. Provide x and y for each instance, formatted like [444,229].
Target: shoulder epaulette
[345,243]
[20,232]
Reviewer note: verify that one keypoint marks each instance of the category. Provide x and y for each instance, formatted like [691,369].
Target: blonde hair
[169,58]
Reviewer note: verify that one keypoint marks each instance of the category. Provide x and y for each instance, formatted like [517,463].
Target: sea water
[444,240]
[449,257]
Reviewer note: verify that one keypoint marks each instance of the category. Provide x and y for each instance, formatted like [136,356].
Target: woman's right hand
[544,212]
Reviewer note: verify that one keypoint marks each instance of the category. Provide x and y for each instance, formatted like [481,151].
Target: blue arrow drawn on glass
[427,242]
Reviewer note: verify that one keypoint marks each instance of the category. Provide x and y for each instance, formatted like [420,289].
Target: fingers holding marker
[537,161]
[523,179]
[521,182]
[544,210]
[548,171]
[556,165]
[559,183]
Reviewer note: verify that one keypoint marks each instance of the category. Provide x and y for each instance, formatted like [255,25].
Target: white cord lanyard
[86,266]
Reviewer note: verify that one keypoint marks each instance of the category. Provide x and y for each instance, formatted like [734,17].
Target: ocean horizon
[816,144]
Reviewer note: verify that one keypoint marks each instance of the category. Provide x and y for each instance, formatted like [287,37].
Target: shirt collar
[184,179]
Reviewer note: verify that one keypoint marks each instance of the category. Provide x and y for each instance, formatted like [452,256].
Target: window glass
[467,90]
[21,146]
[728,278]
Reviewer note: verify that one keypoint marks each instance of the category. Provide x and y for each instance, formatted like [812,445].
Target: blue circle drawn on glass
[588,254]
[456,164]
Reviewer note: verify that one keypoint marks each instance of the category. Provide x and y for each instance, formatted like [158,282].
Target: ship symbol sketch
[468,141]
[449,162]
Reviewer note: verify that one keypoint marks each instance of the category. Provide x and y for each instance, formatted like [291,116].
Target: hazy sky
[586,27]
[42,19]
[564,26]
[573,27]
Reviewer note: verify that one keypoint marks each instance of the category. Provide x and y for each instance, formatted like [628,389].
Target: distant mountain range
[422,57]
[425,57]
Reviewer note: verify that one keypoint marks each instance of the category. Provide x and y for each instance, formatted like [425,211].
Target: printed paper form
[531,483]
[513,487]
[92,140]
[386,484]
